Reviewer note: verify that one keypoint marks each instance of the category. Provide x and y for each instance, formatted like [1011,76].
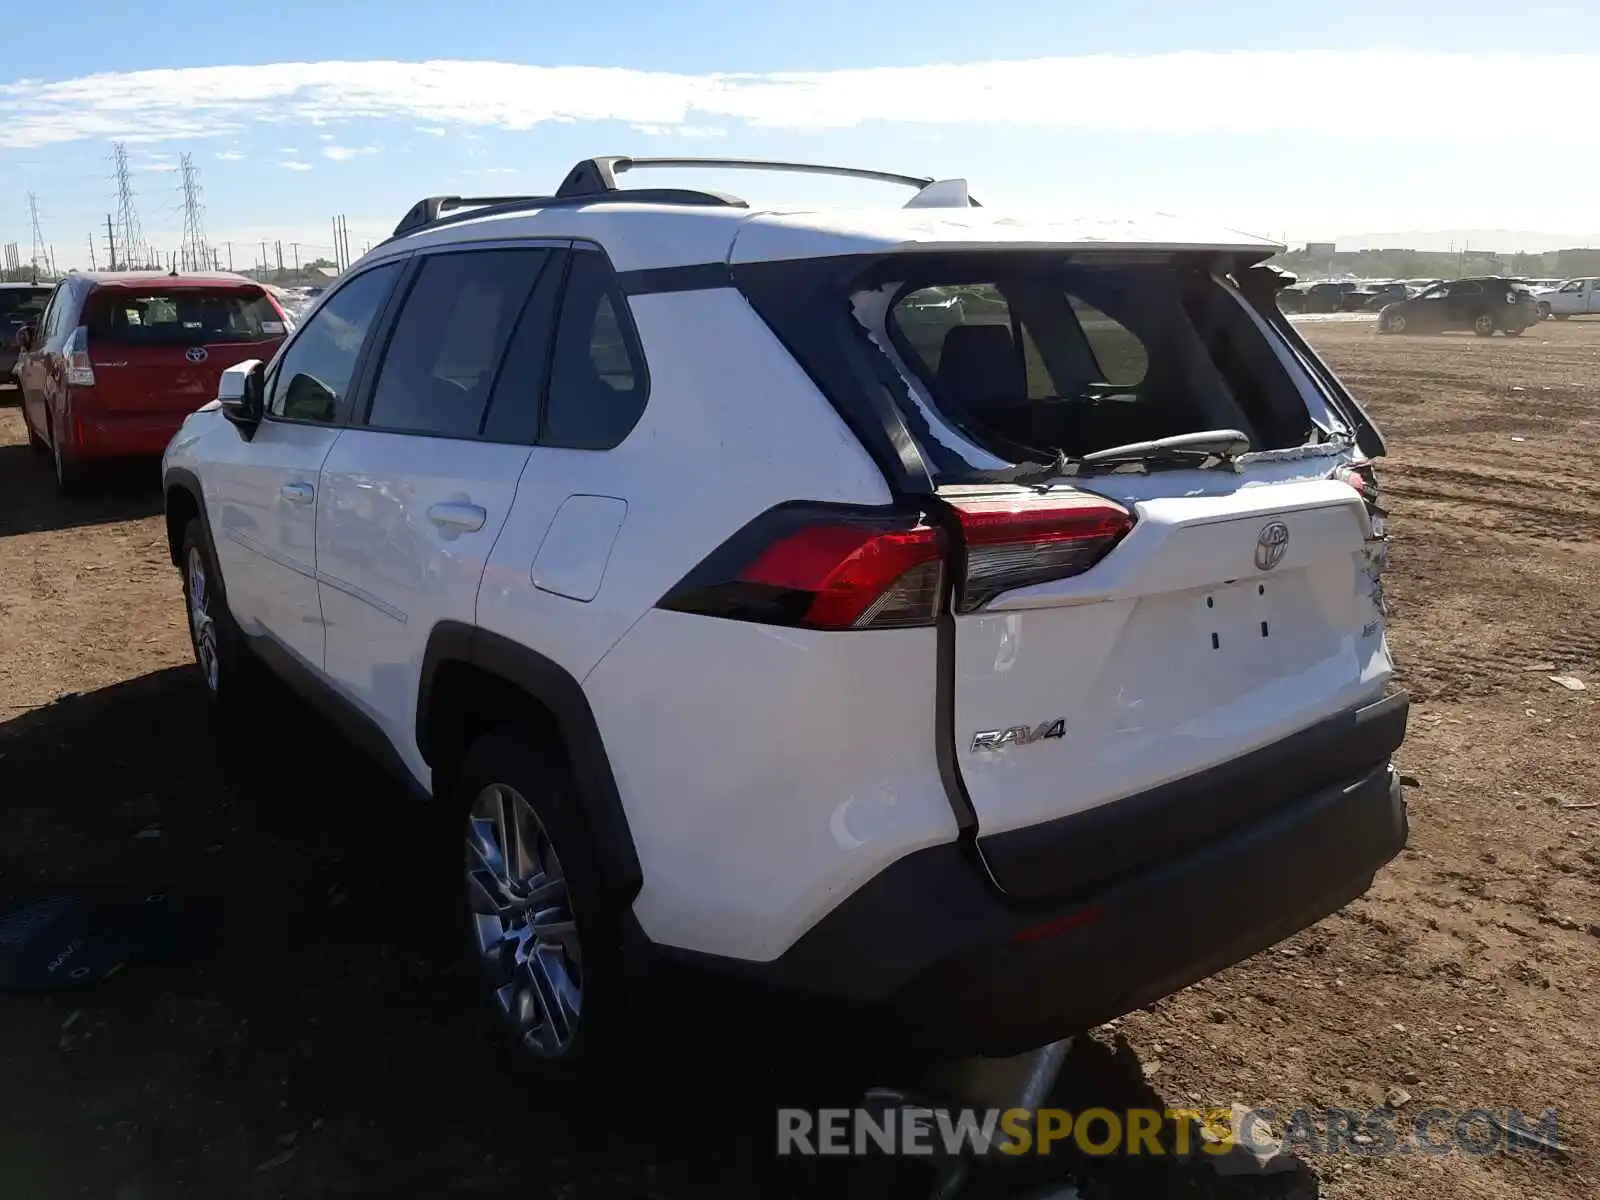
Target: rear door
[160,347]
[414,494]
[1115,632]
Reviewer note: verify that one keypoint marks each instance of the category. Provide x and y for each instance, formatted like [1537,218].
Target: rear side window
[1038,356]
[450,339]
[192,316]
[598,384]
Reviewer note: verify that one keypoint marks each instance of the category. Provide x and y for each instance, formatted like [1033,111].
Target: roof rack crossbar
[431,212]
[594,175]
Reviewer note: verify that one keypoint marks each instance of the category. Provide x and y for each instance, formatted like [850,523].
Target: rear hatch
[161,347]
[1121,624]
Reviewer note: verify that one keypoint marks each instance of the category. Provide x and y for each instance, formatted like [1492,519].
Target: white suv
[968,625]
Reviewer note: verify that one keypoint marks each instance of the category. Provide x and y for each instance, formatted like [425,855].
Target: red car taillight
[1014,542]
[822,567]
[80,371]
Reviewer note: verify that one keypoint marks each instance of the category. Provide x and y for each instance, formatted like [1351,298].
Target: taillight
[80,372]
[821,567]
[1017,541]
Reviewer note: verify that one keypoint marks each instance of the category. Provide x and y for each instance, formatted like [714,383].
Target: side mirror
[240,394]
[25,338]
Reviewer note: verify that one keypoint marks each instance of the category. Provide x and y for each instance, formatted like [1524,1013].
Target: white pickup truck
[1574,298]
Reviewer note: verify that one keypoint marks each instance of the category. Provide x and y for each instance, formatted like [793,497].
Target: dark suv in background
[1481,305]
[20,305]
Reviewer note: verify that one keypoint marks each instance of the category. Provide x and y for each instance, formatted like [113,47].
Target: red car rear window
[182,316]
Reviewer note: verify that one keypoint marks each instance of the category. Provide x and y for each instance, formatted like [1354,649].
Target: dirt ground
[318,1044]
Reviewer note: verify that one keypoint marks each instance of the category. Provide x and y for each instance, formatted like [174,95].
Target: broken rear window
[1031,355]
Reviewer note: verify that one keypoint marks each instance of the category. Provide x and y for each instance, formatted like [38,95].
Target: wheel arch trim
[559,693]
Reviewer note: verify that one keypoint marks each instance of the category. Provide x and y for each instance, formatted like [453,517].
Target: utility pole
[280,259]
[230,256]
[127,219]
[111,244]
[263,260]
[194,236]
[93,266]
[295,246]
[38,238]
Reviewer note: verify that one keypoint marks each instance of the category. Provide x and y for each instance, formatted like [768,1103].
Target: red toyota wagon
[116,361]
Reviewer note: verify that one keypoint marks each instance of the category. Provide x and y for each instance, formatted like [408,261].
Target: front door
[416,491]
[264,509]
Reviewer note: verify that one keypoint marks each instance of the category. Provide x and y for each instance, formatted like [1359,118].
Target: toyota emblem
[195,354]
[1271,545]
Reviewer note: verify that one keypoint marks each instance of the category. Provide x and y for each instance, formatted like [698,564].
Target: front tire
[1544,312]
[1561,316]
[226,668]
[540,927]
[1515,330]
[1484,325]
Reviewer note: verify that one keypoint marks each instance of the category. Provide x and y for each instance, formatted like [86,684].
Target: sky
[1352,118]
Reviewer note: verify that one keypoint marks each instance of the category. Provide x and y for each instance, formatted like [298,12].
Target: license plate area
[1237,626]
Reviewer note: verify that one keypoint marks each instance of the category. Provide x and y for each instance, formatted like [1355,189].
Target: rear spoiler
[1260,285]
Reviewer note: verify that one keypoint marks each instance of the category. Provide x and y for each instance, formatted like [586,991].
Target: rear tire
[1391,322]
[1515,330]
[69,474]
[1561,316]
[551,976]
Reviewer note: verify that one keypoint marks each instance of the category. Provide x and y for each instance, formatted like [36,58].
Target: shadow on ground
[30,503]
[326,1043]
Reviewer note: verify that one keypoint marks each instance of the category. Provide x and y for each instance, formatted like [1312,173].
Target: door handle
[297,493]
[468,518]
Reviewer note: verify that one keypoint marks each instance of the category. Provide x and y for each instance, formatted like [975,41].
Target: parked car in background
[1328,296]
[20,305]
[1371,297]
[1574,298]
[1481,305]
[115,361]
[1292,299]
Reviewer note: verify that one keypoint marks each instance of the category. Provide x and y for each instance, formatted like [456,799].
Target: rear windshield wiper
[1220,446]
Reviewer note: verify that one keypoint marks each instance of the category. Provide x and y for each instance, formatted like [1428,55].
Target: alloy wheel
[1484,325]
[522,921]
[201,625]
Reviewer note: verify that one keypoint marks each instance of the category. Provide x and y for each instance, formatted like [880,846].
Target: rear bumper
[102,435]
[930,960]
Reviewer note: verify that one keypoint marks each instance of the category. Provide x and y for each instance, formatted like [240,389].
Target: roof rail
[599,175]
[430,211]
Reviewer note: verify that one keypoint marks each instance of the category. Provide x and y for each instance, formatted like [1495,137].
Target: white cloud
[341,153]
[431,130]
[291,165]
[1203,92]
[230,155]
[686,131]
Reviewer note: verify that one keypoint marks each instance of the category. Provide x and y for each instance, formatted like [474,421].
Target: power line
[39,253]
[131,236]
[195,255]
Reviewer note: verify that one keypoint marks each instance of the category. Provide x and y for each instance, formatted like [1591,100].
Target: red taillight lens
[1017,541]
[822,568]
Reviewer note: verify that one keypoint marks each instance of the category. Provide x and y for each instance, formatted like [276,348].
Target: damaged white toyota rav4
[965,625]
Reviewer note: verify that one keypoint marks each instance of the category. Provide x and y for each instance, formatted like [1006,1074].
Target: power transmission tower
[128,232]
[39,254]
[195,256]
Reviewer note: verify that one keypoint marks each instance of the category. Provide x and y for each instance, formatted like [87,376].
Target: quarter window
[598,383]
[312,380]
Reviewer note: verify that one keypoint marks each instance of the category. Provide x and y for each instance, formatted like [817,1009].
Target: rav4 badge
[1019,735]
